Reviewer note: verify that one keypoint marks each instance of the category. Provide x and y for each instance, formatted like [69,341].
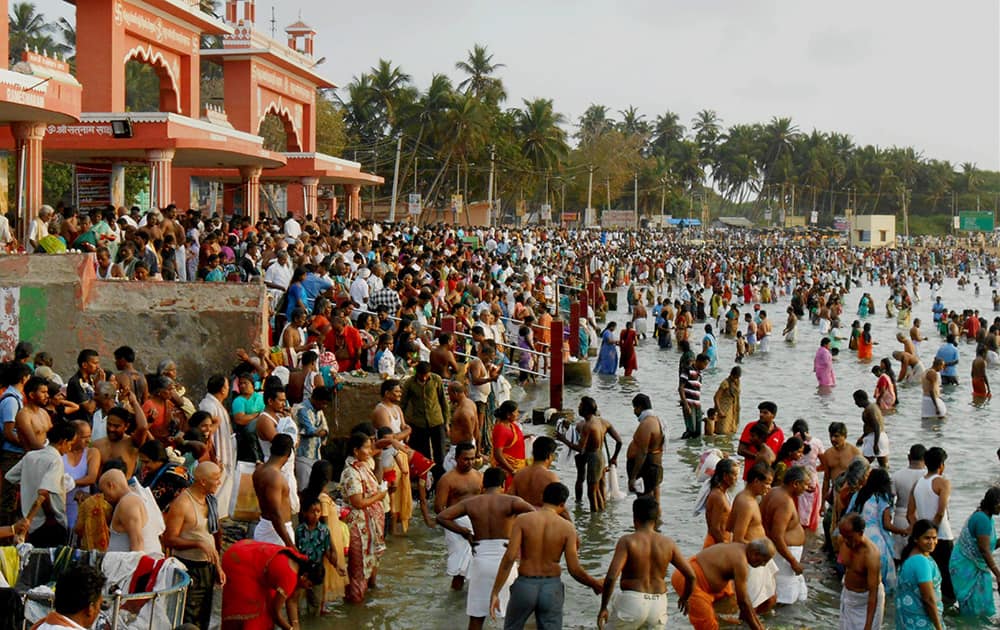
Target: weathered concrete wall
[62,308]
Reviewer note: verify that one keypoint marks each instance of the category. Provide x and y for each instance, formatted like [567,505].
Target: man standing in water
[641,559]
[464,421]
[461,482]
[980,383]
[862,597]
[491,516]
[593,430]
[644,457]
[931,405]
[271,487]
[745,525]
[783,527]
[540,539]
[948,353]
[530,483]
[874,441]
[834,461]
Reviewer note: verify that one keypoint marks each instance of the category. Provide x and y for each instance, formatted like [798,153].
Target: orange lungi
[701,611]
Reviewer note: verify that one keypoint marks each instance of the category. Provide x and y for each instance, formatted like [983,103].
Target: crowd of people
[120,459]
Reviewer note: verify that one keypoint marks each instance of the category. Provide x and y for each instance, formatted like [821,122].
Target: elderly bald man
[133,527]
[192,531]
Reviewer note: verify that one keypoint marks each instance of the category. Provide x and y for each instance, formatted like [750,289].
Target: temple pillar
[310,188]
[353,201]
[28,139]
[117,184]
[251,191]
[160,176]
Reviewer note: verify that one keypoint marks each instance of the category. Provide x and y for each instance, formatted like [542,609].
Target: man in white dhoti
[491,515]
[862,598]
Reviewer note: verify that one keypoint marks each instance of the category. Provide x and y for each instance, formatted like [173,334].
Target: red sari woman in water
[260,582]
[627,343]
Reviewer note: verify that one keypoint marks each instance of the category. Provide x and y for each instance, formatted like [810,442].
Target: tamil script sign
[975,221]
[618,218]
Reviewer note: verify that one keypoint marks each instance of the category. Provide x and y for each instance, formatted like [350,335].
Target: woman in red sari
[508,441]
[260,580]
[626,344]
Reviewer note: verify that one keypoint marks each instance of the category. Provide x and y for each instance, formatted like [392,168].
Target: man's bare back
[529,483]
[745,522]
[492,514]
[463,422]
[722,563]
[781,518]
[272,493]
[648,555]
[544,537]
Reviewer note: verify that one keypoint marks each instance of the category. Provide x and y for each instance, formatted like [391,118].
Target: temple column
[310,189]
[160,171]
[251,191]
[354,201]
[117,184]
[28,140]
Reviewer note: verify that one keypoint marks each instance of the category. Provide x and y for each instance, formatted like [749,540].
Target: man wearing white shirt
[360,289]
[6,234]
[292,228]
[40,475]
[78,598]
[279,274]
[38,228]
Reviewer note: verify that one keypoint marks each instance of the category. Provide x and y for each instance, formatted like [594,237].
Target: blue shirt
[948,353]
[11,403]
[296,294]
[314,284]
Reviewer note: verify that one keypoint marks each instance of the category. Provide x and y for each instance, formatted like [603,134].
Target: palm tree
[479,67]
[390,89]
[633,123]
[28,30]
[971,177]
[707,127]
[543,141]
[593,123]
[667,133]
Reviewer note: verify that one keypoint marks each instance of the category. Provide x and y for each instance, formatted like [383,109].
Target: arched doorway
[149,84]
[278,131]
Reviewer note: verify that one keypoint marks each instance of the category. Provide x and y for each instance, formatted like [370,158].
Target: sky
[920,73]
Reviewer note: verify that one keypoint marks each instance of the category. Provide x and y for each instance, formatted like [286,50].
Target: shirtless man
[644,457]
[781,522]
[130,519]
[491,516]
[641,559]
[124,359]
[874,442]
[530,483]
[931,405]
[909,360]
[745,524]
[388,413]
[271,487]
[457,484]
[714,568]
[464,419]
[862,598]
[832,462]
[591,448]
[717,504]
[33,421]
[187,533]
[442,357]
[480,373]
[119,444]
[539,540]
[980,382]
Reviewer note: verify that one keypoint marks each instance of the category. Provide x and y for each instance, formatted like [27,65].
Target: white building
[873,230]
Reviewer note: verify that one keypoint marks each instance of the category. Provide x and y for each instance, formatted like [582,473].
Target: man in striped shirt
[690,392]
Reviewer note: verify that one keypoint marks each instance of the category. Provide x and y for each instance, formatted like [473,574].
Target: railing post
[556,366]
[585,303]
[448,324]
[574,329]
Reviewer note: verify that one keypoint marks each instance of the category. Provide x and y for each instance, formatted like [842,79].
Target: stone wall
[57,303]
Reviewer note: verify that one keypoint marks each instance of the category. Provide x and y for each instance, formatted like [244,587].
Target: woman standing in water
[607,358]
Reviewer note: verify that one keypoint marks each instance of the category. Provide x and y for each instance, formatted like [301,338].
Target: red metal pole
[584,302]
[556,366]
[574,329]
[448,324]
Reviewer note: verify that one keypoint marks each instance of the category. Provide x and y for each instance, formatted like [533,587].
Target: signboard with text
[93,190]
[975,221]
[618,218]
[413,204]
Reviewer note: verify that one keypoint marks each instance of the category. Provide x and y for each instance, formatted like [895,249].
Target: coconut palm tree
[390,90]
[633,123]
[543,141]
[593,123]
[29,30]
[480,82]
[667,133]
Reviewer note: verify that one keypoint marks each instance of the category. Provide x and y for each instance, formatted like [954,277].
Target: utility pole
[590,188]
[906,215]
[489,209]
[374,169]
[793,200]
[635,196]
[395,180]
[607,187]
[663,195]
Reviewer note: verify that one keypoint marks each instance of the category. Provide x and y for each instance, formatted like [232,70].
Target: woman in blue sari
[708,347]
[972,565]
[607,358]
[918,591]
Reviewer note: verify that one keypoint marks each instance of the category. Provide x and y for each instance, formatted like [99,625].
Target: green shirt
[424,403]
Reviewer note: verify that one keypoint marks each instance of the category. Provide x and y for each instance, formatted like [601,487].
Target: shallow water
[414,591]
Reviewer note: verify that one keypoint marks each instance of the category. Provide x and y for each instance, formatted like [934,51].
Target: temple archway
[150,83]
[278,130]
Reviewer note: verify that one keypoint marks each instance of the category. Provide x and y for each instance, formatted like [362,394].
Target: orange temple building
[186,141]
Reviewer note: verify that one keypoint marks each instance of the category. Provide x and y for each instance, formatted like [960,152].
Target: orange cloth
[710,540]
[92,521]
[701,611]
[979,387]
[864,348]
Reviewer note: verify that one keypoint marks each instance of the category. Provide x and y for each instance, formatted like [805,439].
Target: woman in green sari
[972,561]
